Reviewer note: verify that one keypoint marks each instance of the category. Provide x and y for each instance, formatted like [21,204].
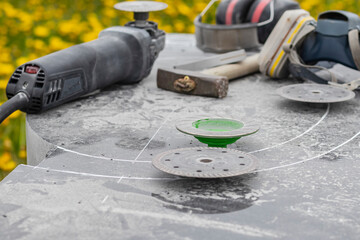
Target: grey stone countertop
[90,174]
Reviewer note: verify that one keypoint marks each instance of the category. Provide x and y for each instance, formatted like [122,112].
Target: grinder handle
[236,70]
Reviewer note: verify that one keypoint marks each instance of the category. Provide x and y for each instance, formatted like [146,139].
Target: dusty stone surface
[96,180]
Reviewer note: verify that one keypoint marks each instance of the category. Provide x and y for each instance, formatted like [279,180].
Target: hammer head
[192,82]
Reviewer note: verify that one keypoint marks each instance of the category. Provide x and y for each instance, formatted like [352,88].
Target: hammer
[210,82]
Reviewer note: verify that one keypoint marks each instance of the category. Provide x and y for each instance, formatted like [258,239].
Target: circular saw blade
[140,6]
[315,93]
[205,162]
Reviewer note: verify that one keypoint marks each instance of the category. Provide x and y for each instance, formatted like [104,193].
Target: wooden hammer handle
[236,70]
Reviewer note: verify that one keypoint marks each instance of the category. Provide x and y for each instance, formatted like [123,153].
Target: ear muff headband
[232,11]
[259,10]
[224,38]
[265,13]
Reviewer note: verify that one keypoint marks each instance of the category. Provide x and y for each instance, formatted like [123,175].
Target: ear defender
[232,11]
[260,11]
[254,11]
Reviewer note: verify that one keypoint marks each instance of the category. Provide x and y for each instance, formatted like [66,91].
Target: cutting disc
[205,162]
[315,93]
[140,6]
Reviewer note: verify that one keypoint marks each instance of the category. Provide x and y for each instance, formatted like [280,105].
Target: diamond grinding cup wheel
[216,132]
[315,93]
[205,162]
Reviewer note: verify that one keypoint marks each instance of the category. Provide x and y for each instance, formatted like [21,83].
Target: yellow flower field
[32,28]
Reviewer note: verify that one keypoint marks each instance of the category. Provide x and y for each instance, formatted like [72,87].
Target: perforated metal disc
[315,93]
[205,162]
[140,6]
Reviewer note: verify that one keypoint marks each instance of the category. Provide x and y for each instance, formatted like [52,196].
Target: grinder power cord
[120,55]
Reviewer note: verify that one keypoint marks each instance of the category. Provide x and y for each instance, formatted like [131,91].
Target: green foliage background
[32,28]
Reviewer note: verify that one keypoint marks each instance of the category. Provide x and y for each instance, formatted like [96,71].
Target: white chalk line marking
[294,138]
[118,159]
[176,178]
[139,161]
[157,131]
[98,175]
[309,159]
[260,170]
[104,200]
[98,157]
[106,197]
[121,178]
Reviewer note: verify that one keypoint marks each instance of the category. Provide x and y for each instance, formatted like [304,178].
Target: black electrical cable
[19,101]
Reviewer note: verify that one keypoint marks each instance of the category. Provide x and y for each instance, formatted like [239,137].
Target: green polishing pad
[217,132]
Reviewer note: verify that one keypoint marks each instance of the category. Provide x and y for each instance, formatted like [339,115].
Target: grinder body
[120,55]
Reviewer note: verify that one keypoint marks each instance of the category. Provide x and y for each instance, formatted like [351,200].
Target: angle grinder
[121,54]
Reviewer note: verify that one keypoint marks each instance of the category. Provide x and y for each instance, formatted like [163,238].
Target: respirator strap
[297,68]
[300,70]
[355,84]
[355,46]
[303,71]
